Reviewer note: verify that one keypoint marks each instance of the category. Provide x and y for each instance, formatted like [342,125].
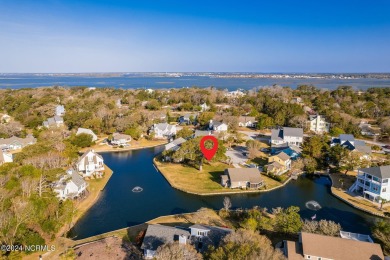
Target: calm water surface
[119,207]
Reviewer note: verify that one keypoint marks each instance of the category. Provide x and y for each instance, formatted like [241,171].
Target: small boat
[137,189]
[314,217]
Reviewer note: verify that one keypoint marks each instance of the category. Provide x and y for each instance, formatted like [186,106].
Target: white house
[247,121]
[348,141]
[120,139]
[90,163]
[87,131]
[373,183]
[163,130]
[217,126]
[60,110]
[14,143]
[70,186]
[204,107]
[235,94]
[287,135]
[318,124]
[5,157]
[56,121]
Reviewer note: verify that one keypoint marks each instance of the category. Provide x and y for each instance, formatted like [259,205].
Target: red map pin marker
[209,153]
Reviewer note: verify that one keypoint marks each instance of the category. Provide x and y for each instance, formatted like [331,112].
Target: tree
[310,165]
[227,204]
[336,131]
[153,105]
[134,132]
[382,202]
[173,251]
[185,133]
[322,227]
[205,117]
[288,220]
[264,121]
[81,140]
[242,245]
[381,231]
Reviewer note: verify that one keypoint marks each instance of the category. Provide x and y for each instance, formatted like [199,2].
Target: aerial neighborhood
[54,152]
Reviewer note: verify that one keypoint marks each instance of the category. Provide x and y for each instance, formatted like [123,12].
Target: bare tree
[227,204]
[172,251]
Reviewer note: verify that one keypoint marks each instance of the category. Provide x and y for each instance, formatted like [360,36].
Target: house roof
[2,156]
[90,151]
[277,134]
[157,235]
[202,133]
[245,119]
[77,180]
[363,148]
[22,141]
[197,226]
[291,131]
[346,137]
[339,248]
[382,172]
[175,143]
[121,136]
[163,126]
[283,156]
[244,174]
[274,165]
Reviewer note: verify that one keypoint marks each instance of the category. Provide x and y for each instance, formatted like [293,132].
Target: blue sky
[228,36]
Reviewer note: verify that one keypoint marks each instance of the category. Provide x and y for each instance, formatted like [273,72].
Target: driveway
[236,155]
[254,136]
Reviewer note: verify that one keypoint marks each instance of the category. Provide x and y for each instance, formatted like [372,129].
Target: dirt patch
[109,248]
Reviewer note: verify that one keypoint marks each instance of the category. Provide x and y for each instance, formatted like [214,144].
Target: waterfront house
[70,186]
[199,236]
[90,163]
[287,135]
[279,163]
[247,121]
[60,110]
[314,246]
[242,178]
[348,141]
[163,130]
[217,126]
[55,121]
[14,143]
[5,157]
[318,124]
[373,183]
[87,131]
[175,144]
[120,139]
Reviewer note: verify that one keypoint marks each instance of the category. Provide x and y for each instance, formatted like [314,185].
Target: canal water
[119,207]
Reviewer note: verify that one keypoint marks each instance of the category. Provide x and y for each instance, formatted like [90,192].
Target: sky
[58,36]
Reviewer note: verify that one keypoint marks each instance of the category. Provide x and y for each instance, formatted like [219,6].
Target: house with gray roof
[373,183]
[175,144]
[199,236]
[15,143]
[5,157]
[289,135]
[120,139]
[247,121]
[55,121]
[70,186]
[163,130]
[242,178]
[60,110]
[218,126]
[349,142]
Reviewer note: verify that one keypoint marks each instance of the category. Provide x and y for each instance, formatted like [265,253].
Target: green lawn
[208,180]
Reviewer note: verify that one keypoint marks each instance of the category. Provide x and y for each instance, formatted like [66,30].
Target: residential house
[175,144]
[200,236]
[163,130]
[187,119]
[348,141]
[217,126]
[314,246]
[235,94]
[204,107]
[14,143]
[373,183]
[60,110]
[318,124]
[90,163]
[297,100]
[279,164]
[70,186]
[368,130]
[5,157]
[87,131]
[242,178]
[287,135]
[291,150]
[247,121]
[120,139]
[55,121]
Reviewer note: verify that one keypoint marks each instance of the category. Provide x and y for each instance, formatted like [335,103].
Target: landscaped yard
[208,180]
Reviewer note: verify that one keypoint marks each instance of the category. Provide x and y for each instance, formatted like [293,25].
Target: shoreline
[217,193]
[107,149]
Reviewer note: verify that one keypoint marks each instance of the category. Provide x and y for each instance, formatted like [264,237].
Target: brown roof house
[242,178]
[314,246]
[279,164]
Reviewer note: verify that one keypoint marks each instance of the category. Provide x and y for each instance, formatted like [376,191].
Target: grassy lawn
[259,160]
[208,180]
